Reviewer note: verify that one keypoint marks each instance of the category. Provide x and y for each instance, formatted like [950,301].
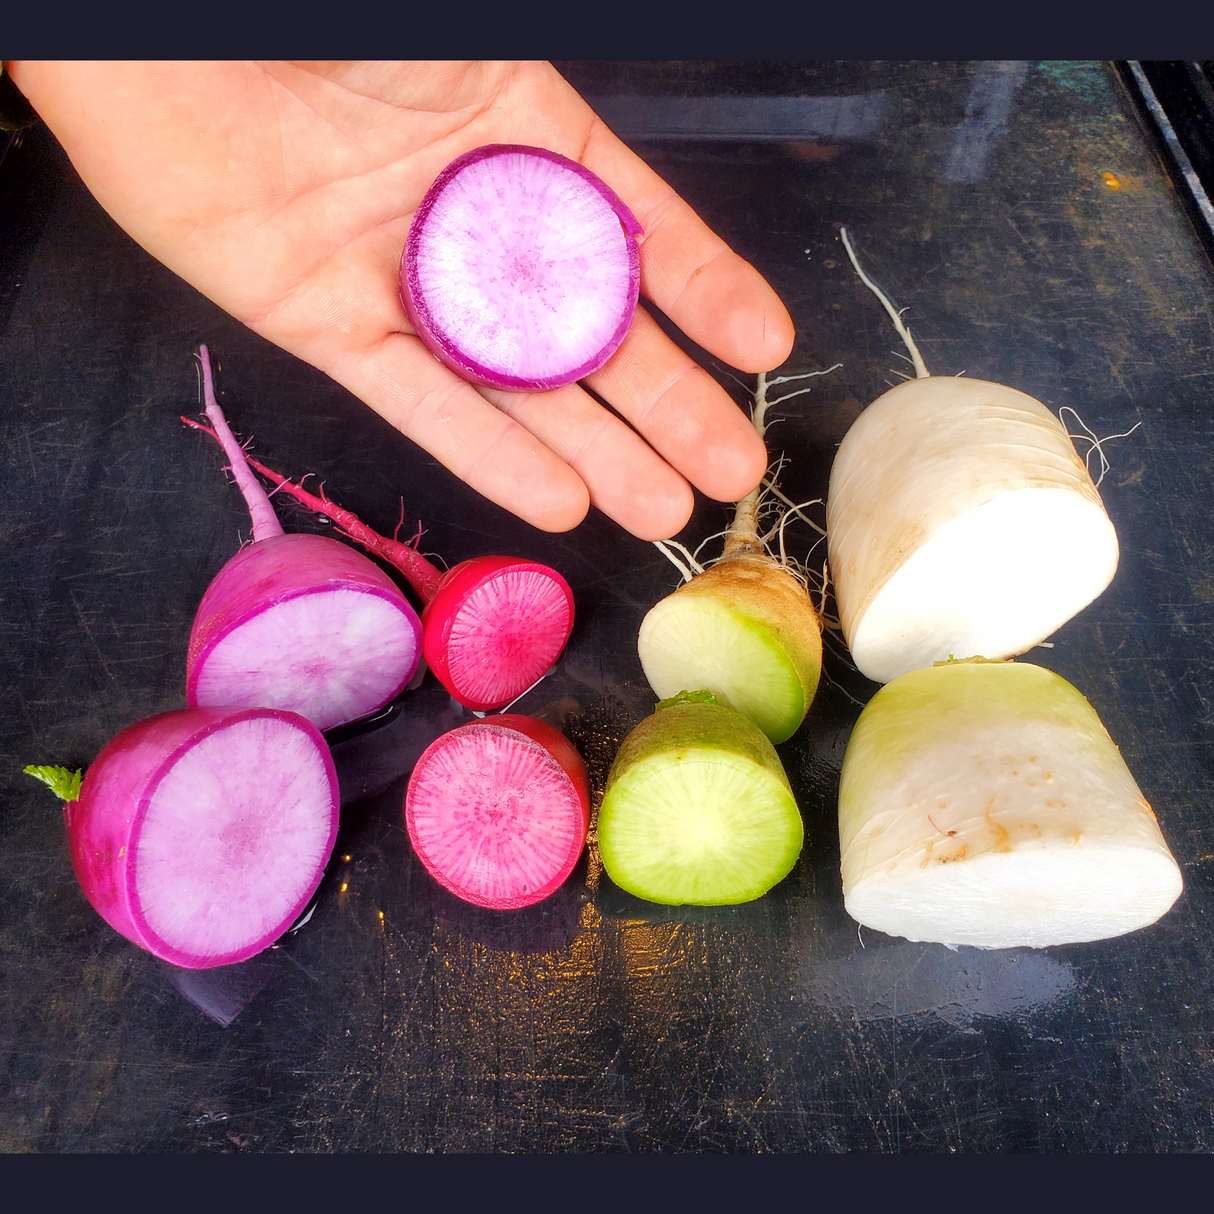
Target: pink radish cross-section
[497,810]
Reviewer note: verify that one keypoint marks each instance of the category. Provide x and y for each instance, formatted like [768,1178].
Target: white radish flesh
[985,804]
[961,521]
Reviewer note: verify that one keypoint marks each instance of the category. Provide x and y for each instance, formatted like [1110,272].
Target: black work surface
[1022,217]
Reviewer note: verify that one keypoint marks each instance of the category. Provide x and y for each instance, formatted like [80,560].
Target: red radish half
[299,622]
[522,269]
[493,625]
[201,834]
[498,810]
[494,628]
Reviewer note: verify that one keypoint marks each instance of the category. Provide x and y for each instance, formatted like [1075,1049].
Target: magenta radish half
[498,810]
[201,834]
[493,626]
[299,622]
[522,269]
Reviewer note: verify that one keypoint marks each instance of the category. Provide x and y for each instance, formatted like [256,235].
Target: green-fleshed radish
[698,809]
[202,834]
[492,626]
[497,810]
[984,803]
[960,520]
[299,622]
[745,628]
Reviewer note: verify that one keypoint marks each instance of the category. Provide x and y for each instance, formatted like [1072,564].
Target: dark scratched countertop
[1020,214]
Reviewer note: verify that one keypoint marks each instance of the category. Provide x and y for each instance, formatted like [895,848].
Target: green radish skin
[744,629]
[698,809]
[984,803]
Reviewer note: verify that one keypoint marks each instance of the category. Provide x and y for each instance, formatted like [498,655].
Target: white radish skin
[985,804]
[962,521]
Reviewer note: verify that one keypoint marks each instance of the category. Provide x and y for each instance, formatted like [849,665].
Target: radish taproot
[960,520]
[201,834]
[698,809]
[984,803]
[521,270]
[497,810]
[745,628]
[492,626]
[299,622]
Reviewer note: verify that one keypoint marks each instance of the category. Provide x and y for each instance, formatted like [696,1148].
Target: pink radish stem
[265,521]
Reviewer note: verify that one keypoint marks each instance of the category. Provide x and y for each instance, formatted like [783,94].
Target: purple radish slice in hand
[299,622]
[498,810]
[201,834]
[522,269]
[493,626]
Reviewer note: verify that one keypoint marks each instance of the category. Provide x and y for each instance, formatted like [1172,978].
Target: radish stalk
[744,629]
[498,810]
[698,808]
[201,834]
[298,622]
[985,804]
[521,270]
[492,626]
[960,520]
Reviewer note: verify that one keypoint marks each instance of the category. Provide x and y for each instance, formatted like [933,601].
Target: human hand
[284,193]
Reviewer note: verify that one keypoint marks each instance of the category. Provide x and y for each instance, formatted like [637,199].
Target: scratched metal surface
[982,197]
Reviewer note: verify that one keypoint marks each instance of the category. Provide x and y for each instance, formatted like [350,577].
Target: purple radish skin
[521,270]
[298,622]
[201,834]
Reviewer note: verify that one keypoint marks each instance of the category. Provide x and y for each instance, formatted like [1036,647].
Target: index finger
[716,297]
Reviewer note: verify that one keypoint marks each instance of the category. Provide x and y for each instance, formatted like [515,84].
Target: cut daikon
[984,803]
[960,520]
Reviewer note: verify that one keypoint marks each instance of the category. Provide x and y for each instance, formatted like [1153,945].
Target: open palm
[284,192]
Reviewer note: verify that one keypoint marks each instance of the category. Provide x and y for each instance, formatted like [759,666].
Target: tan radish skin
[985,804]
[960,520]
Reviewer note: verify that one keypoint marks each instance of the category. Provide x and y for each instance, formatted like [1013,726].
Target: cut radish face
[744,630]
[521,270]
[698,809]
[494,627]
[961,521]
[497,811]
[201,834]
[985,804]
[298,622]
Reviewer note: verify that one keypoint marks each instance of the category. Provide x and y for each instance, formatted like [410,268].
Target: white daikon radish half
[960,520]
[984,803]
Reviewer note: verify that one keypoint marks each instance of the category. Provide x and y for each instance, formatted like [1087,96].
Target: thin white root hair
[688,574]
[921,371]
[1097,444]
[775,490]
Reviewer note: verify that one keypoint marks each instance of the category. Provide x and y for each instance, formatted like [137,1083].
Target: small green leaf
[688,697]
[63,783]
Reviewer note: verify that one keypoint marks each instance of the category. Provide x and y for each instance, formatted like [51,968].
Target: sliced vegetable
[201,834]
[522,269]
[497,810]
[493,625]
[698,808]
[960,520]
[745,629]
[985,804]
[299,622]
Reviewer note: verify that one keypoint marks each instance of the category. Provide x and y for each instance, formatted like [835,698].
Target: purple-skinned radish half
[201,834]
[497,810]
[298,622]
[521,270]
